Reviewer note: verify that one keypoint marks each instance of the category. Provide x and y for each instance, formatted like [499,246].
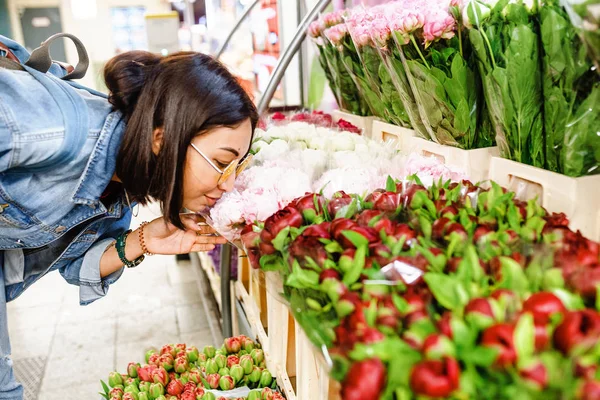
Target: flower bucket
[576,197]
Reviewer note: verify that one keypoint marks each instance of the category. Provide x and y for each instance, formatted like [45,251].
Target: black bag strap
[40,58]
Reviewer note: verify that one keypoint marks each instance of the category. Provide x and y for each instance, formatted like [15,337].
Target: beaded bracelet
[142,242]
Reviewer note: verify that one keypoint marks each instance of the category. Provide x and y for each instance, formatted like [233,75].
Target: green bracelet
[120,245]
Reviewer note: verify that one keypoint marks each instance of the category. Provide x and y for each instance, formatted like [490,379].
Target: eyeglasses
[235,167]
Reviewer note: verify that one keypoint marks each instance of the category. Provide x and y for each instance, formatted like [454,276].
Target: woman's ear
[157,140]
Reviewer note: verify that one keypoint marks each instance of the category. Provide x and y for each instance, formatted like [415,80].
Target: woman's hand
[162,237]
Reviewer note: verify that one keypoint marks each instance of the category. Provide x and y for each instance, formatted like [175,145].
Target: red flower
[480,306]
[329,274]
[584,280]
[320,231]
[278,116]
[337,202]
[388,202]
[435,378]
[542,336]
[373,196]
[458,229]
[578,328]
[347,126]
[543,305]
[590,390]
[366,217]
[500,337]
[308,247]
[409,193]
[289,216]
[436,346]
[586,371]
[306,203]
[365,380]
[556,219]
[439,228]
[536,374]
[404,231]
[481,231]
[339,225]
[175,387]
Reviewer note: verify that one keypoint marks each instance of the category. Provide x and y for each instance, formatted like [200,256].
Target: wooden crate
[476,162]
[578,198]
[384,132]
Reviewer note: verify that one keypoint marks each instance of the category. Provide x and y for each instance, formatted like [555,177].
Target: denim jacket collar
[102,163]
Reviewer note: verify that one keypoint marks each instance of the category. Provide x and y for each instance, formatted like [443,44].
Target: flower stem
[460,46]
[414,42]
[489,45]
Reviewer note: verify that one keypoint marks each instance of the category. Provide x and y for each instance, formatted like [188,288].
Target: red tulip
[578,329]
[388,202]
[374,196]
[233,345]
[160,375]
[304,247]
[189,387]
[535,374]
[457,229]
[329,274]
[480,306]
[145,373]
[590,390]
[500,337]
[437,346]
[584,280]
[365,380]
[175,387]
[288,217]
[320,231]
[481,231]
[366,217]
[168,349]
[439,228]
[409,194]
[337,202]
[213,380]
[542,336]
[306,205]
[232,360]
[586,371]
[435,378]
[543,305]
[340,225]
[348,127]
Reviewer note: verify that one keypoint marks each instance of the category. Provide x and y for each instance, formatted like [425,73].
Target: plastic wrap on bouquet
[384,104]
[585,15]
[337,46]
[410,281]
[442,74]
[571,94]
[505,39]
[315,33]
[394,83]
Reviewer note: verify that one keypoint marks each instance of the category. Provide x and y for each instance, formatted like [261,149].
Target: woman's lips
[211,200]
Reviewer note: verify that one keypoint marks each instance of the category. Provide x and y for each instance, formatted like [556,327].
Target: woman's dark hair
[187,94]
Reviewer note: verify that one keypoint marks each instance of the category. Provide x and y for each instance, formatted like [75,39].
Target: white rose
[258,145]
[276,149]
[343,142]
[476,12]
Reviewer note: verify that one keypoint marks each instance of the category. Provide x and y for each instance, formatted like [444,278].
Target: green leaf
[281,238]
[390,184]
[598,297]
[302,278]
[386,350]
[524,338]
[271,262]
[513,276]
[447,290]
[480,356]
[357,266]
[356,239]
[400,303]
[371,313]
[105,387]
[571,301]
[334,247]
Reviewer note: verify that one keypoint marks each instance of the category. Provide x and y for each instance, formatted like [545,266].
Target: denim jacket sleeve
[85,270]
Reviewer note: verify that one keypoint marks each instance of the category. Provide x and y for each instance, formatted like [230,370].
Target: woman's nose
[227,186]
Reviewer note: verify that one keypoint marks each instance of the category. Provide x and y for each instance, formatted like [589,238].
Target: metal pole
[225,265]
[289,53]
[235,28]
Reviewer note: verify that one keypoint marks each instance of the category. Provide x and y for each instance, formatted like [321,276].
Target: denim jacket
[53,219]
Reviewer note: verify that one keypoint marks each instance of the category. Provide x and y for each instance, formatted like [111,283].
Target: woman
[175,130]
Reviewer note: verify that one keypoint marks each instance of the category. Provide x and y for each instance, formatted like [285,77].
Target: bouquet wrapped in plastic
[505,39]
[374,78]
[571,94]
[442,73]
[342,58]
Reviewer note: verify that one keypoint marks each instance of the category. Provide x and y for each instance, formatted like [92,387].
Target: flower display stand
[213,278]
[475,163]
[364,123]
[578,198]
[384,132]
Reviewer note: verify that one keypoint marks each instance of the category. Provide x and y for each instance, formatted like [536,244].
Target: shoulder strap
[70,103]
